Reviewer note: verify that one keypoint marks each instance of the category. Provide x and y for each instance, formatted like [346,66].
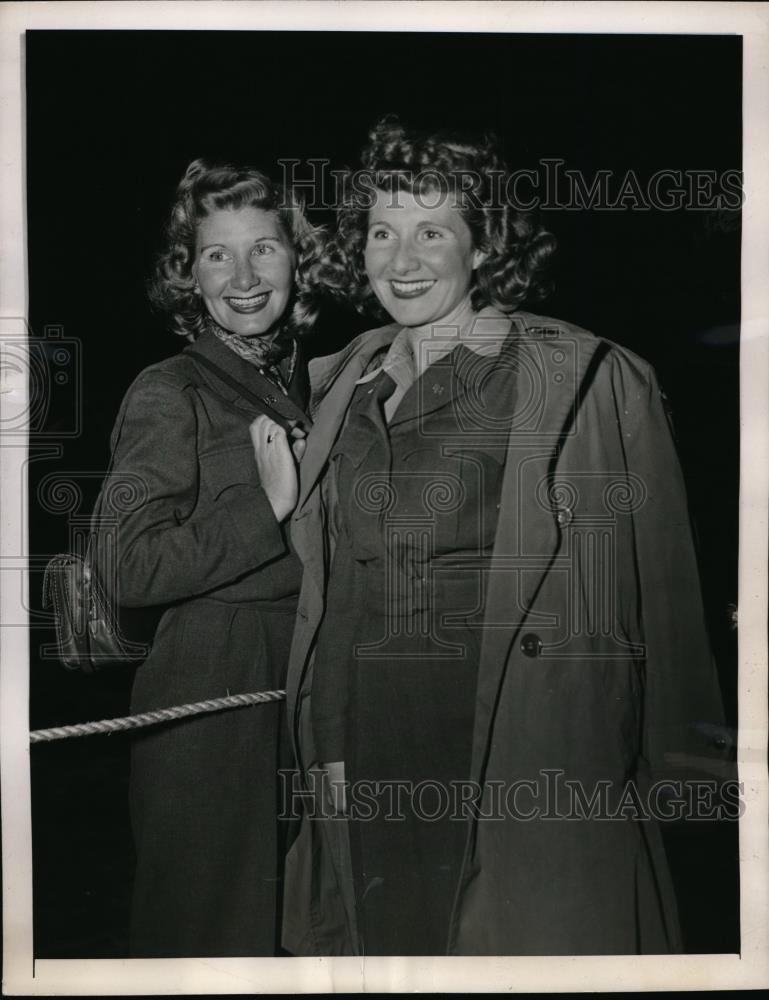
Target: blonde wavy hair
[209,187]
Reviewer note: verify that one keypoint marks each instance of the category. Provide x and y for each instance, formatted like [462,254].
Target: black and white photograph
[384,448]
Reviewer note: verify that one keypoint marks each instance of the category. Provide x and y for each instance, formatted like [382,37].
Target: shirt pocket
[354,444]
[480,467]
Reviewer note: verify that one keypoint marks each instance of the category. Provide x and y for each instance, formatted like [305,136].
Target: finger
[261,427]
[298,432]
[299,447]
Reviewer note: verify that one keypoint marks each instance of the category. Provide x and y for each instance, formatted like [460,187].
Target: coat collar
[246,374]
[325,370]
[332,381]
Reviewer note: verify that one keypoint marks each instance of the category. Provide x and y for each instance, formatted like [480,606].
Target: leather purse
[88,631]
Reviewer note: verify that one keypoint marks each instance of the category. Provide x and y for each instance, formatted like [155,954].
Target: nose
[405,257]
[245,275]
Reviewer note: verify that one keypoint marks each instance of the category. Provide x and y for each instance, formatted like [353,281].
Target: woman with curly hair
[206,543]
[499,592]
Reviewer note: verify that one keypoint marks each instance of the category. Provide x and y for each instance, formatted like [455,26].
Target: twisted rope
[153,718]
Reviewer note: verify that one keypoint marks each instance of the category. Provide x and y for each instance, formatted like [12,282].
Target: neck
[264,352]
[450,328]
[441,336]
[263,339]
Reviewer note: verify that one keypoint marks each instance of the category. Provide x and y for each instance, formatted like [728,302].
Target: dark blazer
[195,536]
[595,664]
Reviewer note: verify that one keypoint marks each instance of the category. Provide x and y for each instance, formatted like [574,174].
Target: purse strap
[242,390]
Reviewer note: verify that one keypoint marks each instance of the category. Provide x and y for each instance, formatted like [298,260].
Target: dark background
[113,118]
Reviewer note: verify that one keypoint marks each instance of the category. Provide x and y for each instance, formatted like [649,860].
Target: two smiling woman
[499,584]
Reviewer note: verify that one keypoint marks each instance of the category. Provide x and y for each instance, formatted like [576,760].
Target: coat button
[531,645]
[564,515]
[271,400]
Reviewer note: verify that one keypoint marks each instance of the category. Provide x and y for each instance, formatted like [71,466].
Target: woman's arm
[168,548]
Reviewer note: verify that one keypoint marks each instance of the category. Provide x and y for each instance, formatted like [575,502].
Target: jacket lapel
[247,375]
[334,375]
[332,381]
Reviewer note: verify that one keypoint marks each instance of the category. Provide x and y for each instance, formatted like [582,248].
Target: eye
[216,255]
[263,249]
[431,234]
[379,233]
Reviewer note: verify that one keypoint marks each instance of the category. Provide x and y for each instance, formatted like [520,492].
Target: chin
[409,313]
[261,329]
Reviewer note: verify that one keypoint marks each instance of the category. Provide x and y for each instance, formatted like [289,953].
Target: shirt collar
[483,332]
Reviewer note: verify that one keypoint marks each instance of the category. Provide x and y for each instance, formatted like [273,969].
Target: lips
[410,289]
[248,304]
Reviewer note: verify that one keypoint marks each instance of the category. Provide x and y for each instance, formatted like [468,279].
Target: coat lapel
[247,375]
[332,382]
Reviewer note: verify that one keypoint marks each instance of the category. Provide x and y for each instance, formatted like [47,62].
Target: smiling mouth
[248,304]
[411,289]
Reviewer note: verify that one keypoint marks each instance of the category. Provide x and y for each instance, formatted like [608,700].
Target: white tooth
[410,286]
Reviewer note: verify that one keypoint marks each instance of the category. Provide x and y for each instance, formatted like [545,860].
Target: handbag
[93,630]
[89,634]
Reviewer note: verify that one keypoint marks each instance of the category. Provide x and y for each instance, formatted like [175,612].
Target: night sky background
[113,119]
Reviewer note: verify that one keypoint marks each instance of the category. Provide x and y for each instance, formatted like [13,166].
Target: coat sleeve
[683,714]
[170,547]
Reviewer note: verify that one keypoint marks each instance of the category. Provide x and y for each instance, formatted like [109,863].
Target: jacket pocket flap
[228,467]
[354,444]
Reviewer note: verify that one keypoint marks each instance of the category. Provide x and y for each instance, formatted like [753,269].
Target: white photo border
[22,974]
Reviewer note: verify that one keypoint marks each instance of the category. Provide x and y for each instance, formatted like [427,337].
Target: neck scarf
[275,359]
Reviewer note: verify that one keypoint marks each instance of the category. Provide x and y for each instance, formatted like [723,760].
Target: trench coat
[595,671]
[194,537]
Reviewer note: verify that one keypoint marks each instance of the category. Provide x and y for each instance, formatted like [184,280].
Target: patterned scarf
[275,359]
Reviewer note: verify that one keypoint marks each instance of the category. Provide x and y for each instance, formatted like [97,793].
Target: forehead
[235,224]
[403,208]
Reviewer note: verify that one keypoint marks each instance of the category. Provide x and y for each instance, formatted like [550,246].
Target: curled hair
[473,174]
[207,188]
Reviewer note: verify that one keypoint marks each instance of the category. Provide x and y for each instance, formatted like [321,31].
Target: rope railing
[155,717]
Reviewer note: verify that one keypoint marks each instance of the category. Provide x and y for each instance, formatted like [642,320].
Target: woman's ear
[479,256]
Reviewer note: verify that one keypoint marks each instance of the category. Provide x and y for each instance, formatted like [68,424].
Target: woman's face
[244,267]
[419,255]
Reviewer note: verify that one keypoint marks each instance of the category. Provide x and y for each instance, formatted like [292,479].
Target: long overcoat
[595,671]
[192,534]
